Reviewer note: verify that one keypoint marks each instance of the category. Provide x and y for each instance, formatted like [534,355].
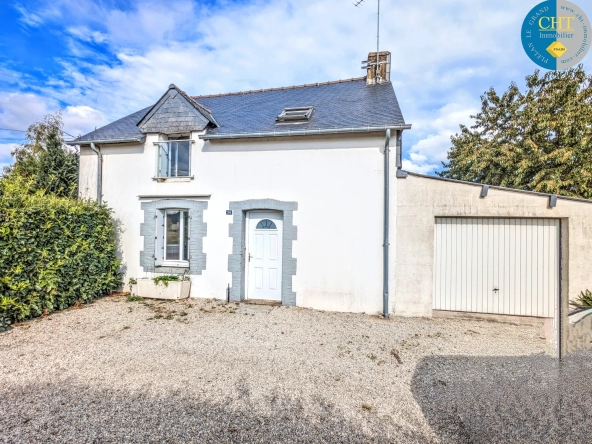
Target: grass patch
[134,298]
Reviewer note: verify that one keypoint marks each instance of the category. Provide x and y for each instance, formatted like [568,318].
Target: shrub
[584,300]
[54,251]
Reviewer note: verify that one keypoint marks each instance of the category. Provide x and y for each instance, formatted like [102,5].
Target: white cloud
[5,157]
[85,34]
[79,120]
[444,55]
[35,17]
[424,168]
[19,110]
[238,47]
[433,142]
[29,18]
[5,150]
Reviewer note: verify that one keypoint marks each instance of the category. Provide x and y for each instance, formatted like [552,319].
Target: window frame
[158,144]
[184,238]
[270,226]
[298,114]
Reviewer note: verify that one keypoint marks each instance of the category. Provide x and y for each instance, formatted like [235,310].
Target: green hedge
[54,251]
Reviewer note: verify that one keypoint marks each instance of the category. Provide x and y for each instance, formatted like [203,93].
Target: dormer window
[174,158]
[295,115]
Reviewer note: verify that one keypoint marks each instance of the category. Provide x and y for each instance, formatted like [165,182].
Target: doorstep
[261,302]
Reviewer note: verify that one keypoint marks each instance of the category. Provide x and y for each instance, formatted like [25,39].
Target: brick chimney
[384,70]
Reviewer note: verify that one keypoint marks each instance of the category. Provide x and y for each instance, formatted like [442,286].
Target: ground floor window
[173,237]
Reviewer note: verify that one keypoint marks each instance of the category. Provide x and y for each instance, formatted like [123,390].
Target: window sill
[164,269]
[174,264]
[173,179]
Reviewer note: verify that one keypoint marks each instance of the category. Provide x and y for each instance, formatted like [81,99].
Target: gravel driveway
[203,371]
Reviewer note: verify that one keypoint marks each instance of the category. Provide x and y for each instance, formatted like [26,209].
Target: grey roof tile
[120,129]
[341,104]
[345,104]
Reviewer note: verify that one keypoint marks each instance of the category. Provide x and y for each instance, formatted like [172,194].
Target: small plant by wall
[170,278]
[584,300]
[54,252]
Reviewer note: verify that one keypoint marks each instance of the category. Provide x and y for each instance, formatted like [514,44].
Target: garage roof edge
[497,187]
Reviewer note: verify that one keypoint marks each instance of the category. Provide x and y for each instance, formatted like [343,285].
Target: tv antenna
[356,4]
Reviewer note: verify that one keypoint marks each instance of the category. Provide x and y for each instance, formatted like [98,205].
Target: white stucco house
[288,194]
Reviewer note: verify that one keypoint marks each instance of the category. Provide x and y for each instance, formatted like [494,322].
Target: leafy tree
[57,169]
[46,160]
[539,140]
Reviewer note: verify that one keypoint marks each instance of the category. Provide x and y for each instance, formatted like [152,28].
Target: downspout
[385,245]
[97,150]
[401,174]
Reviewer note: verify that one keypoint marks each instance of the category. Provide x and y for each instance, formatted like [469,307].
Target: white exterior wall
[87,177]
[336,181]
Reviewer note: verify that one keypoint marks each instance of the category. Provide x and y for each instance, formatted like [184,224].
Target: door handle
[249,257]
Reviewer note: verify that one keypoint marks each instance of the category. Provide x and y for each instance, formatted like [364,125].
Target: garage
[507,266]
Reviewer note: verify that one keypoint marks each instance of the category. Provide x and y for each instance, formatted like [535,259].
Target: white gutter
[103,141]
[307,132]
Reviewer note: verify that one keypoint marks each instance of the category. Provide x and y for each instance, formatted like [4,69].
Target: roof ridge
[192,99]
[281,88]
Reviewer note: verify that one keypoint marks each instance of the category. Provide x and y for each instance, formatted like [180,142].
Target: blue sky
[99,60]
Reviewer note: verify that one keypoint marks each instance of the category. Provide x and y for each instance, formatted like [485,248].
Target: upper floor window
[174,158]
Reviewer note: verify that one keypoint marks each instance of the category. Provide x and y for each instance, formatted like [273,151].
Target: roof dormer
[176,112]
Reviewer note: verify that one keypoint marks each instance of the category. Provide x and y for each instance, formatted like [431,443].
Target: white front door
[264,255]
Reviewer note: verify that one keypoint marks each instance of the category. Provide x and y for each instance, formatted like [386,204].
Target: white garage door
[502,266]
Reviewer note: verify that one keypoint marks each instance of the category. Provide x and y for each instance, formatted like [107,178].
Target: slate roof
[344,104]
[337,105]
[124,128]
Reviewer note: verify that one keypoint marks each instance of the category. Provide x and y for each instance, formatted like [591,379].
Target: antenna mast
[358,3]
[377,42]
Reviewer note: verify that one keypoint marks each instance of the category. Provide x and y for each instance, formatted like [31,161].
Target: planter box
[175,290]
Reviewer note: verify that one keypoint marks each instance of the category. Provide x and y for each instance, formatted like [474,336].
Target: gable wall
[173,114]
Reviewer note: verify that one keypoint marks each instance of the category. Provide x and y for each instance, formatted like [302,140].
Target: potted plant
[165,287]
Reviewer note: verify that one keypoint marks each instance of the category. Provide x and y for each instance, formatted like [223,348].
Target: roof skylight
[295,115]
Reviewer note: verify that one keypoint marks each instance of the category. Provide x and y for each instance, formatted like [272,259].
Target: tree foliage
[45,159]
[54,251]
[539,140]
